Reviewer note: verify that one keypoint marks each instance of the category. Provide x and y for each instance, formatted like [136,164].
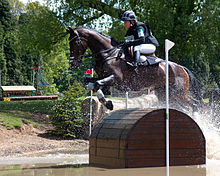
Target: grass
[14,113]
[14,119]
[43,106]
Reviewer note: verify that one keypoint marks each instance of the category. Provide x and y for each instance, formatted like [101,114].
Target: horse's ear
[69,29]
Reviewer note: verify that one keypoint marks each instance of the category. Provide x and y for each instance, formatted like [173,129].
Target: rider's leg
[146,48]
[143,48]
[136,57]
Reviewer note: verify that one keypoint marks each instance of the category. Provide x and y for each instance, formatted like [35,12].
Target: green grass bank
[14,113]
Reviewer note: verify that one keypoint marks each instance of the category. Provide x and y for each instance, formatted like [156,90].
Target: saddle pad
[151,61]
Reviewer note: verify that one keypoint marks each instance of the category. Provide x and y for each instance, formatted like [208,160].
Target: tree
[206,37]
[3,69]
[41,35]
[193,25]
[5,24]
[14,76]
[67,118]
[11,75]
[41,30]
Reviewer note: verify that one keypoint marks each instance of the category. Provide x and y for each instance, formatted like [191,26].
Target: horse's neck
[97,42]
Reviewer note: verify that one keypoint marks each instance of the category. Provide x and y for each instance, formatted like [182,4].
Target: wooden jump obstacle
[137,138]
[41,97]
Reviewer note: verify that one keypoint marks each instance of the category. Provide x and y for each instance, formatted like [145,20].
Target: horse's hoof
[109,105]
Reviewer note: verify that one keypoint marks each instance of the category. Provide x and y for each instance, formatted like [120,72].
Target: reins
[103,51]
[94,54]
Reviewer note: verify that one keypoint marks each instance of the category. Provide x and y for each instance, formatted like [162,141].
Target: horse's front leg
[96,87]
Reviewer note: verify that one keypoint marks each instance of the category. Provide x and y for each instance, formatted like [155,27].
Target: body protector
[140,33]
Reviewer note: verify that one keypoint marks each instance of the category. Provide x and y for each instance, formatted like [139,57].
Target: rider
[138,35]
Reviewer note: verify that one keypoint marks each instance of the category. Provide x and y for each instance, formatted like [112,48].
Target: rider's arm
[140,40]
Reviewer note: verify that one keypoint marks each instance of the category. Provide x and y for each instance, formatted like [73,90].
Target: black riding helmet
[128,16]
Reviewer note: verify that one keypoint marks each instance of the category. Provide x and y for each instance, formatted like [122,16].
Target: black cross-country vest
[133,33]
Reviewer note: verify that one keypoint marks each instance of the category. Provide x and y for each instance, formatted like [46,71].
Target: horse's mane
[113,41]
[91,29]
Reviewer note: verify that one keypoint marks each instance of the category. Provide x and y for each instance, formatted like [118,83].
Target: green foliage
[3,68]
[6,17]
[33,35]
[193,25]
[200,68]
[67,118]
[6,26]
[43,28]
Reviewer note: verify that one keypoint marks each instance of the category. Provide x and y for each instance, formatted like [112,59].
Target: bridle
[80,43]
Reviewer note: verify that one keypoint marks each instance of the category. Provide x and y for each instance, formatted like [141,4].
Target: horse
[112,70]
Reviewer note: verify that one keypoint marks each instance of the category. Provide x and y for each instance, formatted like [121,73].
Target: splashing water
[209,124]
[211,131]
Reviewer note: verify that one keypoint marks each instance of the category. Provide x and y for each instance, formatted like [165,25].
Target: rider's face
[127,24]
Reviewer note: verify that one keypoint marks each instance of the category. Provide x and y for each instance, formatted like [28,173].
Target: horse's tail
[195,92]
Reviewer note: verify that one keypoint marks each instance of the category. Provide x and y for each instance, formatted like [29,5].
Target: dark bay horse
[112,70]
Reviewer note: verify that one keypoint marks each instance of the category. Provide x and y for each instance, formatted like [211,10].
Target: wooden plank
[33,97]
[187,161]
[145,162]
[173,136]
[107,143]
[126,117]
[174,153]
[107,152]
[161,124]
[111,133]
[159,115]
[147,137]
[177,130]
[119,123]
[106,162]
[127,114]
[188,153]
[160,144]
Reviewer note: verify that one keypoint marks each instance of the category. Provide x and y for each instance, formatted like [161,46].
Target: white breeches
[145,48]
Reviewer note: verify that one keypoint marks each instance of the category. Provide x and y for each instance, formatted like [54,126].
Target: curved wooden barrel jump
[137,138]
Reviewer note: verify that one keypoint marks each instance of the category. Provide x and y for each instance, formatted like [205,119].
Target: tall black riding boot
[136,58]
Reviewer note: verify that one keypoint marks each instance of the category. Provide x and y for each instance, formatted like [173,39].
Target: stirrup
[129,63]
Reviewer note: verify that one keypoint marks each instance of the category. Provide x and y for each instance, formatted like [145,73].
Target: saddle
[145,59]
